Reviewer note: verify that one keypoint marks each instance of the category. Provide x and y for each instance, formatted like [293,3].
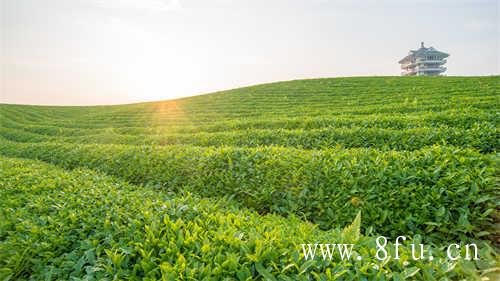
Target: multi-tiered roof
[424,61]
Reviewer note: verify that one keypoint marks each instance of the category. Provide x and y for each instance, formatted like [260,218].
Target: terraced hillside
[230,184]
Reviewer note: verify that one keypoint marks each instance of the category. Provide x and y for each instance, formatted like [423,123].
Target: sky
[83,52]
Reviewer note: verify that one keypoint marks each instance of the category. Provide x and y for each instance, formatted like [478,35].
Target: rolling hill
[230,184]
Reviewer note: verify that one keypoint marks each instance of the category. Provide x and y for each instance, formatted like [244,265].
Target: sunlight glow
[123,51]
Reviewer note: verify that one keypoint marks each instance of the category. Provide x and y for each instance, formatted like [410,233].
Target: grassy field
[227,186]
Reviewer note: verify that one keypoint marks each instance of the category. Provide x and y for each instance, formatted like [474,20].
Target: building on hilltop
[423,62]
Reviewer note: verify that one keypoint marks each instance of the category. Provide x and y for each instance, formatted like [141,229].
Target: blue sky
[121,51]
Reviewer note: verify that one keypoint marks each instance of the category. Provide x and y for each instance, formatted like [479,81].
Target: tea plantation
[229,185]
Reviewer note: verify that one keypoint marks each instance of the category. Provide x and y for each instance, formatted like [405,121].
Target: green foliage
[436,192]
[84,225]
[271,167]
[481,136]
[353,231]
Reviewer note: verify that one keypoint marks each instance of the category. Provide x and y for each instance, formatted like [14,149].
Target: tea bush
[84,225]
[442,193]
[483,137]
